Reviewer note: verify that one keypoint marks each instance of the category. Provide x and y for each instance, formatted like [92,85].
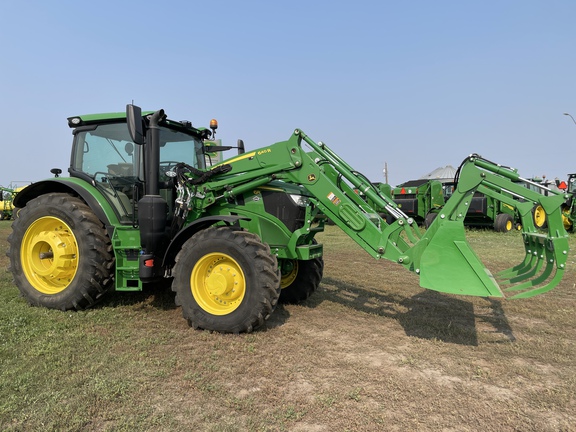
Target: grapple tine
[531,263]
[550,250]
[540,290]
[554,253]
[523,267]
[535,260]
[532,282]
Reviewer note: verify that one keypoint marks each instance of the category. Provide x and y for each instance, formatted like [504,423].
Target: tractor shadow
[158,296]
[427,314]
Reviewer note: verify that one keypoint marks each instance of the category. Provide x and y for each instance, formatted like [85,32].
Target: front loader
[141,207]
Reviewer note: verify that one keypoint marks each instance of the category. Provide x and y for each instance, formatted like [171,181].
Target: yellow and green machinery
[423,199]
[569,206]
[140,206]
[7,195]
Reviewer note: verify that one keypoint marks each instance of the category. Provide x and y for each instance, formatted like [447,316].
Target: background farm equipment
[423,199]
[569,207]
[6,198]
[141,207]
[487,211]
[418,198]
[6,207]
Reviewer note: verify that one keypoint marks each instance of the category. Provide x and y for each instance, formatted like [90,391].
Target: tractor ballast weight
[141,206]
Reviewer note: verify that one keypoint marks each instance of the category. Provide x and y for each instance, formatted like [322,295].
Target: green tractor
[423,200]
[487,211]
[569,207]
[6,208]
[140,206]
[419,198]
[6,198]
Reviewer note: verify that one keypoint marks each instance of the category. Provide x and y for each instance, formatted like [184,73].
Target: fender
[198,225]
[77,187]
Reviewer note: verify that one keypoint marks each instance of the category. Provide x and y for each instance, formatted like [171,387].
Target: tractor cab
[571,184]
[105,155]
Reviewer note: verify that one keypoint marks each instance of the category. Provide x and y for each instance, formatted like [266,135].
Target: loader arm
[441,256]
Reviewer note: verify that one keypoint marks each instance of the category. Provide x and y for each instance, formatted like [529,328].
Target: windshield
[108,156]
[572,185]
[108,149]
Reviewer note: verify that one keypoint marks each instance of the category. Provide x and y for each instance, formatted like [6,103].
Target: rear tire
[60,254]
[299,279]
[504,223]
[226,280]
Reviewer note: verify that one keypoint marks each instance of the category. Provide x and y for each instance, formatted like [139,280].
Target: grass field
[369,351]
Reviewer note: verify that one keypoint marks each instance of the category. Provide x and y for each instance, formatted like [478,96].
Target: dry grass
[369,351]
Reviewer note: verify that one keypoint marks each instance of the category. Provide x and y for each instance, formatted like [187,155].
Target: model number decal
[264,151]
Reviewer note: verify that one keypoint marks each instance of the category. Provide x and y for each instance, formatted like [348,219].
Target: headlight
[300,200]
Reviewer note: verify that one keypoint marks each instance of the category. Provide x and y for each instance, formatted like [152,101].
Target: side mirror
[240,146]
[134,122]
[215,148]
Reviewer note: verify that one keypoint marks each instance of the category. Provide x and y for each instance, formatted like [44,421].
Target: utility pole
[385,171]
[567,114]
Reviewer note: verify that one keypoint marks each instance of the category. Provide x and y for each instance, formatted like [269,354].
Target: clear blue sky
[417,84]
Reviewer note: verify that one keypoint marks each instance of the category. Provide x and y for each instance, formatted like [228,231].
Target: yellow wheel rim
[509,225]
[539,216]
[49,255]
[566,218]
[289,273]
[218,283]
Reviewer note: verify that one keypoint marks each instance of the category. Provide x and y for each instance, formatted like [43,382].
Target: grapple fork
[545,255]
[446,262]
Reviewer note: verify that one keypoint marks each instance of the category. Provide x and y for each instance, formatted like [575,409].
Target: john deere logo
[311,177]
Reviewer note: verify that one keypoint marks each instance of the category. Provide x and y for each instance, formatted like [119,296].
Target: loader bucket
[448,264]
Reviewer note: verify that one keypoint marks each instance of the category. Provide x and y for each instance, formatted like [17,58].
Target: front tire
[226,280]
[60,254]
[299,279]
